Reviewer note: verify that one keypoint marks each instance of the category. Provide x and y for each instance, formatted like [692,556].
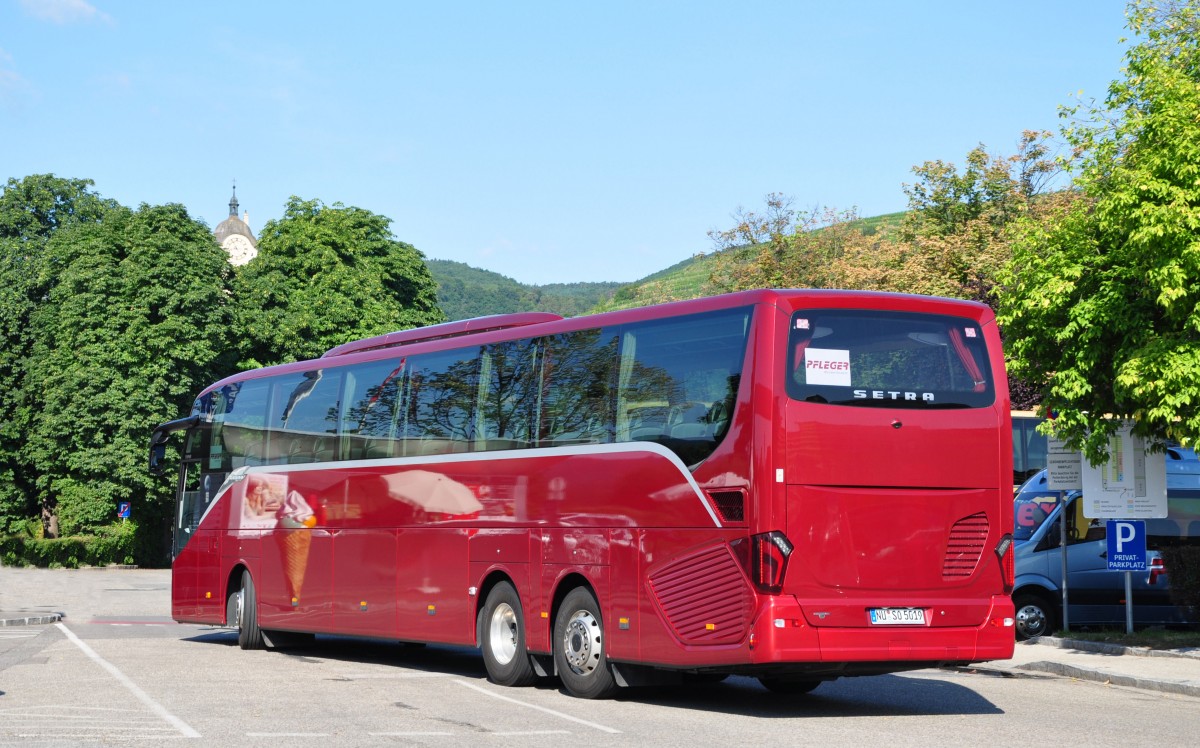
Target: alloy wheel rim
[502,633]
[583,643]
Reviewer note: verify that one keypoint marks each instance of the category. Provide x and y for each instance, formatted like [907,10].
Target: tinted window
[578,403]
[678,380]
[1029,448]
[888,359]
[440,402]
[508,398]
[303,420]
[239,425]
[372,397]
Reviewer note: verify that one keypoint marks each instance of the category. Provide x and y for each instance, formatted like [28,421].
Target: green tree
[953,241]
[31,210]
[783,248]
[326,275]
[1102,305]
[960,224]
[136,321]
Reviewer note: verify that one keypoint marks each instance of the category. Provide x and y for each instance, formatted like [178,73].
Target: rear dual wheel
[502,638]
[579,654]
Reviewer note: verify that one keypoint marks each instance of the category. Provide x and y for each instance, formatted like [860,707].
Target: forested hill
[465,292]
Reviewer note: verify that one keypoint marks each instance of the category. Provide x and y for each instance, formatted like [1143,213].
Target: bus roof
[832,298]
[444,330]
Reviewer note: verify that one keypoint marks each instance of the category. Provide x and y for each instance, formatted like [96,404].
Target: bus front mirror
[159,437]
[158,453]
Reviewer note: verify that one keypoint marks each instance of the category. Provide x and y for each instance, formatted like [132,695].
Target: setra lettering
[926,397]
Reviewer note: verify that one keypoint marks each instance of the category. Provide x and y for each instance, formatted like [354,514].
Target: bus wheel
[241,610]
[789,686]
[502,637]
[579,653]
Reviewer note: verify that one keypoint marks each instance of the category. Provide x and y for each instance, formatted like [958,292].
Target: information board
[1128,485]
[1064,467]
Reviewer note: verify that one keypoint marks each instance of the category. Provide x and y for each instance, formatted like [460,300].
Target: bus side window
[372,397]
[508,395]
[578,403]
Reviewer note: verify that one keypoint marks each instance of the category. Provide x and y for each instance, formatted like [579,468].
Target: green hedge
[1183,567]
[113,544]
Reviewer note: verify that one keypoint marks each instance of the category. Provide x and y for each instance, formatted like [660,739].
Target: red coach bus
[791,485]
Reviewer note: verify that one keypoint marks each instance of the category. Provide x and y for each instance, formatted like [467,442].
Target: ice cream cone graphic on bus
[294,533]
[294,544]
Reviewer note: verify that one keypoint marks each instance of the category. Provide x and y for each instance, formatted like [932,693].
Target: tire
[789,686]
[241,612]
[1035,617]
[502,638]
[579,654]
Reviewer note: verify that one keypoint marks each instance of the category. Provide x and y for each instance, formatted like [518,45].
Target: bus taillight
[765,559]
[1004,551]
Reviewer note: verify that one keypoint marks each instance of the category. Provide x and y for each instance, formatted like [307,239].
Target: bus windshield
[890,359]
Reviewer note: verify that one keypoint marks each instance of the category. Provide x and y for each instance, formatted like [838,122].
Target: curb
[30,620]
[1079,673]
[1113,649]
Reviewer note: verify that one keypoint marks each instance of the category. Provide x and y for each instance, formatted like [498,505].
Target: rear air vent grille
[965,546]
[704,597]
[731,505]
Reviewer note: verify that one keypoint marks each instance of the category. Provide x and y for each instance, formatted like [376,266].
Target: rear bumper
[781,635]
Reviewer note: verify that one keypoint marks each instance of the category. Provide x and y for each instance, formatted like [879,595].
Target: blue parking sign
[1126,545]
[123,509]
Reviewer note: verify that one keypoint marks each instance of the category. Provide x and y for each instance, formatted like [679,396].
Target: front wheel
[241,612]
[579,654]
[502,638]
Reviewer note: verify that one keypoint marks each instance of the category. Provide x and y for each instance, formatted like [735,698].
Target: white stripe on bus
[507,454]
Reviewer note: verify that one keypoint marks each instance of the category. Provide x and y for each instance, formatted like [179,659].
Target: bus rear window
[868,358]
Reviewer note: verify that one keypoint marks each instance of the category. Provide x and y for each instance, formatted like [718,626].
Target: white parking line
[124,680]
[534,732]
[392,676]
[560,715]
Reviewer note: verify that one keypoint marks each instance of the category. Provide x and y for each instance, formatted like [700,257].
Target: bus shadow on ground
[439,659]
[865,696]
[933,693]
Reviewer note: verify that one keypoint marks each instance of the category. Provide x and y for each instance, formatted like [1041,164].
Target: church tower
[235,236]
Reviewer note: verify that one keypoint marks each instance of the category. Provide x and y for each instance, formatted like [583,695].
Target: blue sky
[547,141]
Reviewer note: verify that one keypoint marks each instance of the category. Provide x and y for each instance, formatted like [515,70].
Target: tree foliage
[953,241]
[1103,304]
[31,211]
[136,321]
[113,320]
[326,275]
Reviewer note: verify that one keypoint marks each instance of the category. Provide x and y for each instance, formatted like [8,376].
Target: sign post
[1127,553]
[1064,472]
[1127,487]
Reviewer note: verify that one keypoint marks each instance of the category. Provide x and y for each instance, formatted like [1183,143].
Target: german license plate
[897,616]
